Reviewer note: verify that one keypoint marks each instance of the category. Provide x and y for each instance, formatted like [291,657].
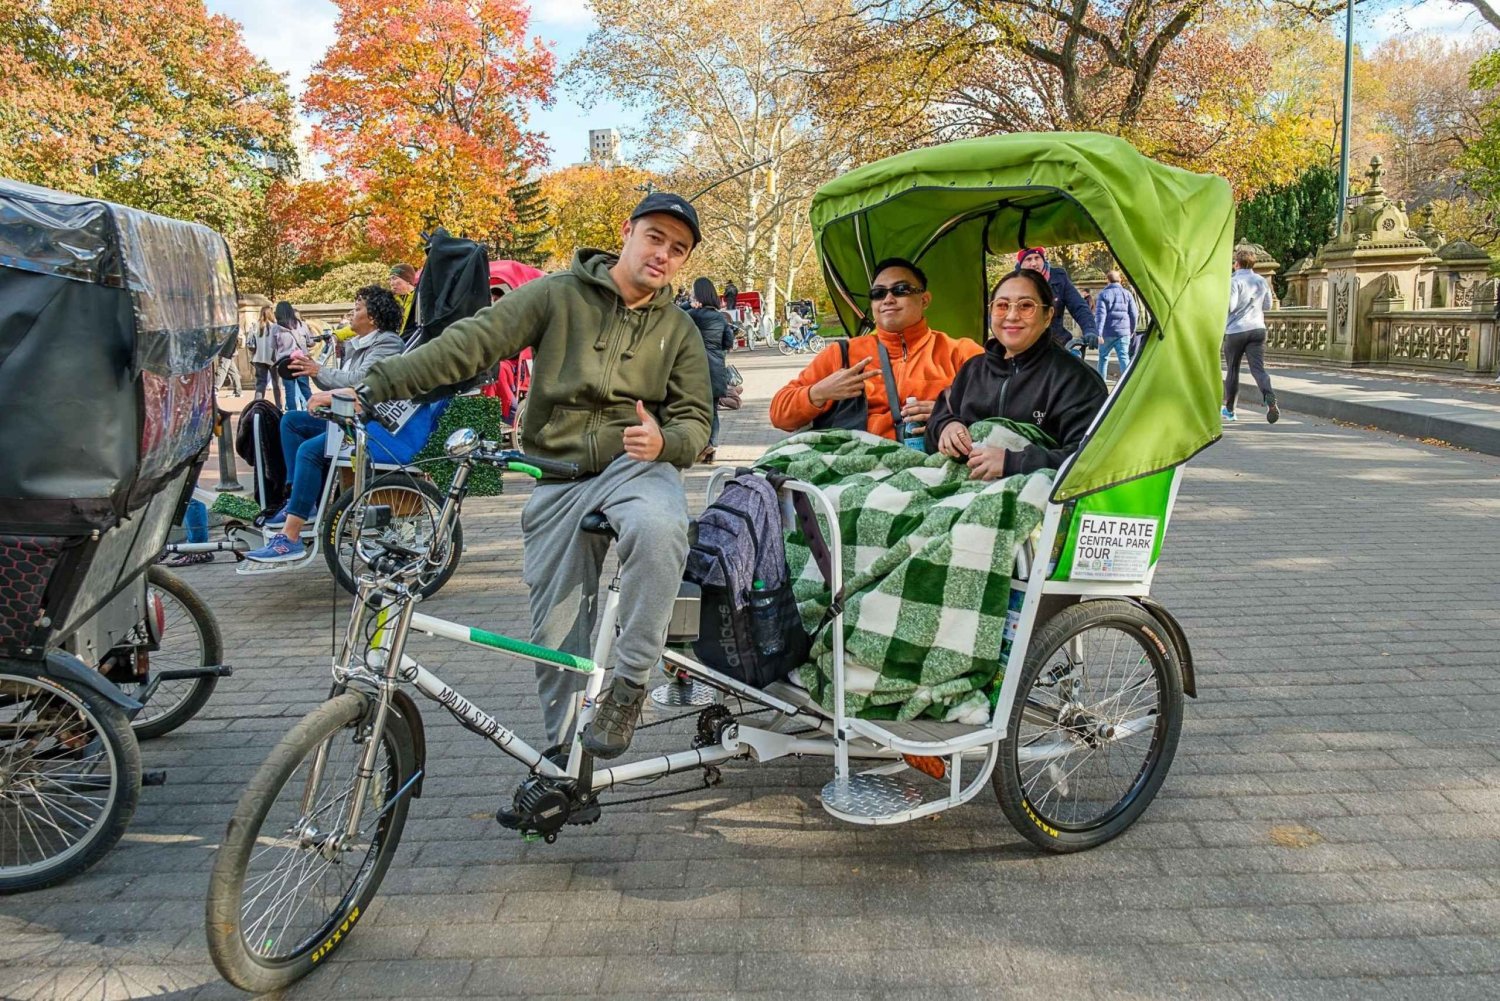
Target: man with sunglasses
[923,360]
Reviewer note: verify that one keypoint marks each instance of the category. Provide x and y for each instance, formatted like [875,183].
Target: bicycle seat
[596,524]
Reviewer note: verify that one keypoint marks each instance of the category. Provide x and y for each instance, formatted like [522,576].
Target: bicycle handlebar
[543,467]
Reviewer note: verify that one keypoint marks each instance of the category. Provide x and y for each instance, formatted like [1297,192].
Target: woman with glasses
[923,362]
[1024,376]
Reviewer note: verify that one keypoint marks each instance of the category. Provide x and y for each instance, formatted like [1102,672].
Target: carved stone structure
[1383,293]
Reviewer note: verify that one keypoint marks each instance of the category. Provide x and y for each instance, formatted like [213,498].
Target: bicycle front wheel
[1094,726]
[70,775]
[190,640]
[289,882]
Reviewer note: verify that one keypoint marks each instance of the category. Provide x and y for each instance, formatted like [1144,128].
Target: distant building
[604,147]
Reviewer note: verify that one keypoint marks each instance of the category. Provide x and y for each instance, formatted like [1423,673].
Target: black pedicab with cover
[111,320]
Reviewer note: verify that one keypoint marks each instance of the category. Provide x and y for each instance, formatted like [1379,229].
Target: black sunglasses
[900,290]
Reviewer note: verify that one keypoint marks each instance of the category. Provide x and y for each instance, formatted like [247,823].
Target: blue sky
[292,36]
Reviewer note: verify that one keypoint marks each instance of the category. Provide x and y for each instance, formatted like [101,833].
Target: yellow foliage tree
[586,205]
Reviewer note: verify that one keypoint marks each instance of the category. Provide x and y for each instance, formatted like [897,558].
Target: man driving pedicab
[620,387]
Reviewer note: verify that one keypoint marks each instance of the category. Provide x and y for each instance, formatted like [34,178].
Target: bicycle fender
[65,667]
[1175,633]
[407,707]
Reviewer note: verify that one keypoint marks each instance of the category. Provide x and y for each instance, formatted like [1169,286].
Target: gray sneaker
[608,736]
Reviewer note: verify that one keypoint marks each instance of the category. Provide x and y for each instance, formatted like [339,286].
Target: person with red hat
[1067,296]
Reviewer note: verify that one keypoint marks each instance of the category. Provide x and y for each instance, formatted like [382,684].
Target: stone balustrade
[1297,333]
[1435,338]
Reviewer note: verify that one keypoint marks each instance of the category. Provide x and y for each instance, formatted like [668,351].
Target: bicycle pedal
[584,815]
[155,777]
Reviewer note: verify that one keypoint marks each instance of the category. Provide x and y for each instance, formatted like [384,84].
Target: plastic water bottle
[913,435]
[764,628]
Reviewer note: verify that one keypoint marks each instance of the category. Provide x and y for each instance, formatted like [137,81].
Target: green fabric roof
[1171,231]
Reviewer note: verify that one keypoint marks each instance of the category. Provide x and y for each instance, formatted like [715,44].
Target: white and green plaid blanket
[927,558]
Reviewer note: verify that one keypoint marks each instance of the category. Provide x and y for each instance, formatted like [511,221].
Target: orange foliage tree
[157,105]
[421,113]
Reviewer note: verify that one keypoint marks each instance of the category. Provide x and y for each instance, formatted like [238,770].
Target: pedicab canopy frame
[1172,232]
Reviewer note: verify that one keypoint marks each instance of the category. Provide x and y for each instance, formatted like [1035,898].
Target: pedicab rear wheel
[190,639]
[1094,727]
[70,776]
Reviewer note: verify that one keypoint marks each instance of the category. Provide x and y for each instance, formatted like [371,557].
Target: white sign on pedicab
[1113,548]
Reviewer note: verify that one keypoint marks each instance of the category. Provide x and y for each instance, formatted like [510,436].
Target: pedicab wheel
[415,508]
[70,776]
[189,639]
[1094,726]
[288,883]
[517,416]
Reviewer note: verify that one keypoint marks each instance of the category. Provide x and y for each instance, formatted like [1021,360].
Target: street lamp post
[1338,220]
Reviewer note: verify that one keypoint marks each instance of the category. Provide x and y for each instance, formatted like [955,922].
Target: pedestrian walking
[1245,335]
[718,339]
[1115,317]
[229,366]
[291,342]
[731,296]
[263,356]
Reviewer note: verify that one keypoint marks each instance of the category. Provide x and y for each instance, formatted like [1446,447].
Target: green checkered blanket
[927,557]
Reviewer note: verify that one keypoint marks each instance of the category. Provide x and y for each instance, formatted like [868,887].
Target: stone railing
[1435,338]
[1297,333]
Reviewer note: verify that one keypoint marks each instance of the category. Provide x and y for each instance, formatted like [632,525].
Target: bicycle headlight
[461,442]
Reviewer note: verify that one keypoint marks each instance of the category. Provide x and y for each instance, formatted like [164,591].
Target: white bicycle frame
[841,737]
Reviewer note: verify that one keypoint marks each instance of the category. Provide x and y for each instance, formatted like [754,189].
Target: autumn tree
[732,96]
[585,206]
[421,111]
[155,105]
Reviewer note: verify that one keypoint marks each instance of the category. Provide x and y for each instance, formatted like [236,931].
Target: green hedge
[482,413]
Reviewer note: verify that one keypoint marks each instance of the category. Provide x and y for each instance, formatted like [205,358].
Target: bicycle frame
[386,667]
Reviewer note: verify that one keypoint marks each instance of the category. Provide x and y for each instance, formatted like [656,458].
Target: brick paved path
[1328,830]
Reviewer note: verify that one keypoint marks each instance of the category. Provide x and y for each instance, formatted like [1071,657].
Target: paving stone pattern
[1329,828]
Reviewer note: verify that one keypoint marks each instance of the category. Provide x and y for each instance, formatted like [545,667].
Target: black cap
[673,205]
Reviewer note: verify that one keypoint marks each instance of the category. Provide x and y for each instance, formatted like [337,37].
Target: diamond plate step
[870,799]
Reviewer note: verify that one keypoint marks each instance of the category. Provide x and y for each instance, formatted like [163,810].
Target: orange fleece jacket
[924,362]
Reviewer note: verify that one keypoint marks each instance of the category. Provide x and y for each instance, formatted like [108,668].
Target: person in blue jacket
[1115,317]
[1068,298]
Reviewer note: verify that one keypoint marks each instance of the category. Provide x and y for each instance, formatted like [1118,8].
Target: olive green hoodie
[594,357]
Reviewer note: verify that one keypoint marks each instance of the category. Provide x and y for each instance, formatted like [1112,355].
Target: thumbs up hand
[644,441]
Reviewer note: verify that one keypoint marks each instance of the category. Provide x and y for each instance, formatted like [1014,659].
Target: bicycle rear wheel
[70,775]
[287,885]
[190,639]
[1094,727]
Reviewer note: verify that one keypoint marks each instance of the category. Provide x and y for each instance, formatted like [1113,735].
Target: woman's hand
[954,441]
[986,463]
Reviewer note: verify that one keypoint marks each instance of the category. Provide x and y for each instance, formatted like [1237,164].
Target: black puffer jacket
[1043,385]
[717,339]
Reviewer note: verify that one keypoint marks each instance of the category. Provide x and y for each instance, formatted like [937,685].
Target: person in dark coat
[717,339]
[1024,375]
[1067,297]
[731,295]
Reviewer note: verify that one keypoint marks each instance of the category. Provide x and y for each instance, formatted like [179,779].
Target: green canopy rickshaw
[948,208]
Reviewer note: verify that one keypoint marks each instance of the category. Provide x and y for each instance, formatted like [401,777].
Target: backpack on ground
[739,543]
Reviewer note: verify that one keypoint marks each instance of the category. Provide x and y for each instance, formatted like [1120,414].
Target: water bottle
[913,435]
[764,627]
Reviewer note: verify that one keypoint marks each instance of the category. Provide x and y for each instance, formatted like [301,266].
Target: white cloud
[1438,17]
[562,14]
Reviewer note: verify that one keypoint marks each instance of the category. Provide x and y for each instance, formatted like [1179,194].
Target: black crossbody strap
[892,394]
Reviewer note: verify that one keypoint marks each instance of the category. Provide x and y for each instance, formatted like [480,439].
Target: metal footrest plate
[870,798]
[676,694]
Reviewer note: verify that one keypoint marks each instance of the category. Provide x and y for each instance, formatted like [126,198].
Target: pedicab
[1088,699]
[111,323]
[375,465]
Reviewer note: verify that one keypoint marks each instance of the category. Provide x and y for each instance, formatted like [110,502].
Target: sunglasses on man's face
[900,290]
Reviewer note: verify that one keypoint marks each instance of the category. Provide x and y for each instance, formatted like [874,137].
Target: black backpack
[739,541]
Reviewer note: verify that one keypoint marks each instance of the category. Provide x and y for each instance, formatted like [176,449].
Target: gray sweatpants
[645,503]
